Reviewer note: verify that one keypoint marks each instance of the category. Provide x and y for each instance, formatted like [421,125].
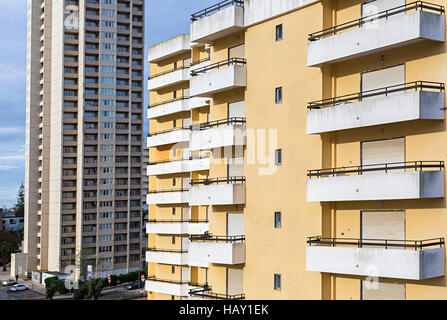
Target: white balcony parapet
[217,21]
[169,287]
[378,182]
[167,196]
[168,107]
[168,137]
[178,166]
[217,134]
[168,78]
[191,227]
[207,249]
[218,77]
[217,191]
[411,101]
[169,48]
[393,28]
[204,292]
[175,257]
[200,64]
[412,260]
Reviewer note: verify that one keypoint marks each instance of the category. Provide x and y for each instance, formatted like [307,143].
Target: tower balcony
[180,227]
[168,78]
[217,191]
[178,166]
[174,257]
[168,196]
[170,136]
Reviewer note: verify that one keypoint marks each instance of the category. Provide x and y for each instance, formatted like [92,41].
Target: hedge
[58,284]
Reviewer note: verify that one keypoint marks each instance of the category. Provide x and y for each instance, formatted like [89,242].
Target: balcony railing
[167,191]
[210,238]
[178,221]
[153,278]
[166,72]
[385,91]
[167,250]
[168,130]
[215,8]
[218,123]
[167,101]
[384,243]
[218,65]
[414,6]
[200,61]
[211,181]
[416,165]
[205,292]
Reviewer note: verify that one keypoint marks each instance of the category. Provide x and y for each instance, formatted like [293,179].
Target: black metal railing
[168,130]
[208,237]
[218,123]
[217,7]
[414,6]
[384,91]
[167,190]
[386,243]
[218,65]
[154,278]
[200,61]
[166,72]
[177,160]
[167,101]
[205,292]
[179,221]
[410,165]
[167,250]
[223,180]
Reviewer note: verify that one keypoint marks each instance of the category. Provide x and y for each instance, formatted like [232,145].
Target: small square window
[173,211]
[277,282]
[173,269]
[174,94]
[278,157]
[278,219]
[278,95]
[173,240]
[174,123]
[278,32]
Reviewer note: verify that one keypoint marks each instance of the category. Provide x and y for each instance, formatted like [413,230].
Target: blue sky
[164,19]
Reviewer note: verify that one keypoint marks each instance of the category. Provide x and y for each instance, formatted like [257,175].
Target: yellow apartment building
[297,152]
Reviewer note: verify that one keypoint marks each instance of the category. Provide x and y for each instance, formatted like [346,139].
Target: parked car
[134,285]
[9,282]
[18,287]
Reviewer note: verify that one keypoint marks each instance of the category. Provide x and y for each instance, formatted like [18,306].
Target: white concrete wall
[198,102]
[169,48]
[168,108]
[218,25]
[167,257]
[200,254]
[260,10]
[167,197]
[218,80]
[381,110]
[223,194]
[396,31]
[175,136]
[167,228]
[377,186]
[232,135]
[179,166]
[377,262]
[168,79]
[173,289]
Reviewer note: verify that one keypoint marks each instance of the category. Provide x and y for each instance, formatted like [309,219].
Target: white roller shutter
[235,281]
[382,290]
[388,225]
[236,109]
[237,52]
[379,79]
[376,6]
[382,152]
[235,224]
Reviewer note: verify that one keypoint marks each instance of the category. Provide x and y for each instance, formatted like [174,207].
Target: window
[278,219]
[278,157]
[173,211]
[173,240]
[173,269]
[278,95]
[279,32]
[277,282]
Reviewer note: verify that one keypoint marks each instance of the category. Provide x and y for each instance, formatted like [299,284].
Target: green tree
[94,287]
[20,204]
[81,292]
[11,238]
[5,253]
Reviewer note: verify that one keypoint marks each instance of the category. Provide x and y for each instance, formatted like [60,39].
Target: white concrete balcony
[168,107]
[198,102]
[218,77]
[410,101]
[169,287]
[168,78]
[217,134]
[169,48]
[392,181]
[203,63]
[217,21]
[204,292]
[175,257]
[180,227]
[397,27]
[178,166]
[207,249]
[168,196]
[217,191]
[412,260]
[175,135]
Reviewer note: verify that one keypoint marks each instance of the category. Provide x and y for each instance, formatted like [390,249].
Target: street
[23,295]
